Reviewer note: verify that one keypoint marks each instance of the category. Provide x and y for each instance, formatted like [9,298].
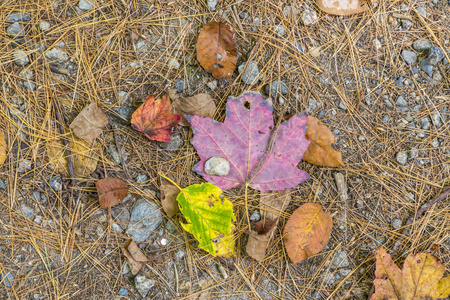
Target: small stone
[56,54]
[399,81]
[250,72]
[342,105]
[24,166]
[145,217]
[255,216]
[36,196]
[86,4]
[313,104]
[340,260]
[27,211]
[328,279]
[437,77]
[38,220]
[125,112]
[212,85]
[276,88]
[180,85]
[173,63]
[26,74]
[29,85]
[413,153]
[141,178]
[143,284]
[401,158]
[175,143]
[15,29]
[44,25]
[179,254]
[361,138]
[427,68]
[404,7]
[309,17]
[244,15]
[21,57]
[56,183]
[163,242]
[421,45]
[345,272]
[396,223]
[377,44]
[212,4]
[436,119]
[291,11]
[123,292]
[17,16]
[435,143]
[409,56]
[123,97]
[422,11]
[3,185]
[401,102]
[406,24]
[280,30]
[217,166]
[7,278]
[435,56]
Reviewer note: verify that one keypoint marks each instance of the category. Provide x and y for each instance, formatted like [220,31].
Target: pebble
[26,74]
[255,216]
[313,104]
[180,85]
[328,279]
[21,57]
[27,211]
[3,185]
[421,45]
[56,54]
[86,4]
[56,183]
[141,178]
[123,292]
[125,112]
[435,143]
[340,260]
[406,24]
[409,56]
[342,105]
[212,4]
[436,119]
[401,102]
[250,72]
[345,272]
[291,11]
[217,166]
[309,17]
[38,220]
[145,217]
[212,85]
[244,15]
[173,63]
[123,97]
[413,153]
[280,30]
[143,284]
[276,88]
[17,16]
[422,11]
[36,196]
[29,85]
[377,44]
[435,55]
[399,81]
[175,143]
[401,158]
[44,25]
[15,29]
[179,254]
[24,166]
[427,68]
[396,223]
[7,278]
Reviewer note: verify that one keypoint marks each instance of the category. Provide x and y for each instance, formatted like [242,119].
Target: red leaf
[154,118]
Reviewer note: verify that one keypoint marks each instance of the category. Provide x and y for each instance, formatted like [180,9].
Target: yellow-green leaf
[209,218]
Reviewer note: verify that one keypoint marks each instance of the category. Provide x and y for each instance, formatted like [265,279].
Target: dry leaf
[136,259]
[201,105]
[273,204]
[307,231]
[2,148]
[343,7]
[111,191]
[169,193]
[421,278]
[154,118]
[216,49]
[320,151]
[90,122]
[259,240]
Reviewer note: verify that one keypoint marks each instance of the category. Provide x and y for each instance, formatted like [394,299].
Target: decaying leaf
[84,158]
[320,151]
[307,231]
[201,105]
[209,215]
[169,193]
[243,139]
[421,278]
[2,148]
[273,204]
[216,49]
[111,191]
[90,122]
[344,7]
[136,259]
[259,240]
[154,118]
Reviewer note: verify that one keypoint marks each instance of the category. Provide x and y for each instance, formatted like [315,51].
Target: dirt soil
[384,96]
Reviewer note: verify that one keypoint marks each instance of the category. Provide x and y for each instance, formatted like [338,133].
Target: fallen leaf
[2,148]
[216,49]
[421,278]
[307,231]
[136,259]
[209,217]
[169,193]
[343,7]
[273,204]
[243,139]
[320,151]
[200,105]
[90,122]
[258,240]
[154,118]
[111,191]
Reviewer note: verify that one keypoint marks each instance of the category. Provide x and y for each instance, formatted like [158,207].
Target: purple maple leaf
[243,138]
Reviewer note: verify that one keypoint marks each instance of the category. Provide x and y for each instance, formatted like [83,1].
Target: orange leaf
[421,278]
[154,118]
[320,151]
[307,231]
[343,7]
[111,191]
[216,49]
[169,193]
[2,148]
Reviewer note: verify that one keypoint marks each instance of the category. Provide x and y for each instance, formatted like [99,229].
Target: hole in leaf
[247,105]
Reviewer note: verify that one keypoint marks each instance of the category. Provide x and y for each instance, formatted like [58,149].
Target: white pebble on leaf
[217,166]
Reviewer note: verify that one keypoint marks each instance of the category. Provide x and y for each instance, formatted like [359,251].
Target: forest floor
[388,109]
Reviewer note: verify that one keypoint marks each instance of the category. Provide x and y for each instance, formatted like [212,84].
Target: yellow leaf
[2,148]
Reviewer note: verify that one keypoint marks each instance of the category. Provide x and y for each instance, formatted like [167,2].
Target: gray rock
[21,57]
[421,45]
[435,55]
[44,25]
[413,153]
[276,88]
[313,104]
[212,4]
[291,11]
[18,16]
[121,218]
[212,85]
[180,85]
[409,56]
[15,29]
[27,211]
[26,74]
[340,260]
[86,4]
[422,11]
[123,292]
[342,105]
[435,143]
[255,216]
[401,102]
[179,254]
[328,278]
[36,196]
[406,24]
[145,217]
[279,30]
[173,63]
[24,166]
[141,178]
[29,85]
[309,17]
[399,81]
[401,158]
[436,119]
[56,183]
[426,67]
[244,15]
[250,72]
[7,278]
[344,272]
[143,284]
[175,143]
[3,185]
[125,112]
[56,54]
[396,223]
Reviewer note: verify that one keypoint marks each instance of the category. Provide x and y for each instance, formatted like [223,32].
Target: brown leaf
[201,105]
[2,148]
[111,191]
[273,204]
[320,151]
[307,231]
[259,240]
[90,122]
[216,49]
[136,259]
[343,7]
[169,193]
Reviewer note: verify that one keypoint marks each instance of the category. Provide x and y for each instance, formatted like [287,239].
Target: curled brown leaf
[169,193]
[111,191]
[201,105]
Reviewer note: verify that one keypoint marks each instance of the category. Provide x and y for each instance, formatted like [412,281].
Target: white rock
[309,17]
[377,44]
[143,284]
[402,158]
[172,62]
[86,4]
[212,4]
[217,166]
[56,54]
[21,57]
[44,25]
